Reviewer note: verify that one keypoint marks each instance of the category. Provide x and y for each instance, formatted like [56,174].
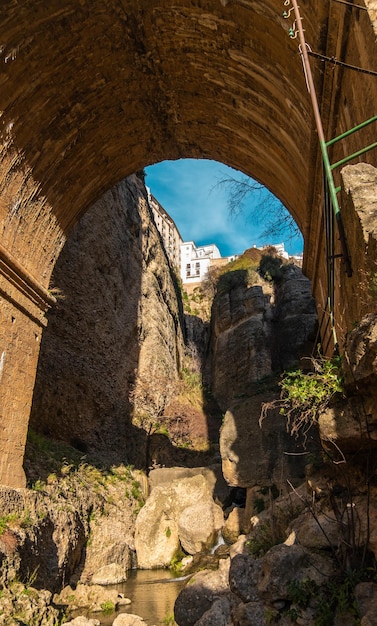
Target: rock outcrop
[253,335]
[258,455]
[182,513]
[75,526]
[202,592]
[350,423]
[257,331]
[117,312]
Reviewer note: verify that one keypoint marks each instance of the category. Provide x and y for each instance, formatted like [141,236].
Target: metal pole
[321,136]
[317,115]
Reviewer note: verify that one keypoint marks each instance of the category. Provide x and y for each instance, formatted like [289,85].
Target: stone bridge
[93,90]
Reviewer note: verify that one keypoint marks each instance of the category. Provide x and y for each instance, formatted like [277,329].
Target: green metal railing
[331,205]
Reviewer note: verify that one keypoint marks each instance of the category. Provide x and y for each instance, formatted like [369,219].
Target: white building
[279,247]
[168,230]
[195,261]
[191,261]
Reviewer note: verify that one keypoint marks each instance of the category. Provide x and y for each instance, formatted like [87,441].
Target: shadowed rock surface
[117,325]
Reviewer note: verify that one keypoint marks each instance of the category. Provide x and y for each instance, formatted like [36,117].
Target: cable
[336,62]
[351,4]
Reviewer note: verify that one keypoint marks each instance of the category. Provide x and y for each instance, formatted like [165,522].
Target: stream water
[152,594]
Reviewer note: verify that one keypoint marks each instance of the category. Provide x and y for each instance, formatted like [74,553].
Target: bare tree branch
[264,209]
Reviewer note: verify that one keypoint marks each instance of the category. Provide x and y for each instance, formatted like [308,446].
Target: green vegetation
[191,390]
[176,562]
[271,615]
[271,268]
[305,394]
[169,620]
[134,492]
[70,473]
[7,520]
[39,485]
[242,272]
[16,520]
[108,607]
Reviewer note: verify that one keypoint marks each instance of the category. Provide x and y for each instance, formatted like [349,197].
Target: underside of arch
[92,91]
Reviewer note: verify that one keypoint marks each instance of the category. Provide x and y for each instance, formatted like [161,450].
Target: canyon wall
[117,312]
[257,330]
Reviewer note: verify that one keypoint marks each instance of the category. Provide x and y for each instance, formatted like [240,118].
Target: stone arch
[93,91]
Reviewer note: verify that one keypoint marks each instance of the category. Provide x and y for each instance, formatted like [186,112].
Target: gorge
[122,415]
[142,414]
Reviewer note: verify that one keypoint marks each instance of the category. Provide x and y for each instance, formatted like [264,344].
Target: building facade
[168,230]
[191,261]
[196,261]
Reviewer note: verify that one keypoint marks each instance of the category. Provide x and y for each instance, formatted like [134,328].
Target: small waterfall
[220,542]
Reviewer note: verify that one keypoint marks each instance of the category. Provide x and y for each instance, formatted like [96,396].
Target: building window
[197,269]
[188,270]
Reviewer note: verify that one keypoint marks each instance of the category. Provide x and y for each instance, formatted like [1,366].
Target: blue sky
[188,190]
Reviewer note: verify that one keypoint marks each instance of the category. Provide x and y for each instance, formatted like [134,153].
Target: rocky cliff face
[117,313]
[256,332]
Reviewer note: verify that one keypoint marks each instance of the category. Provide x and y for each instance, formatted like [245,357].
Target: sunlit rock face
[182,512]
[117,312]
[257,331]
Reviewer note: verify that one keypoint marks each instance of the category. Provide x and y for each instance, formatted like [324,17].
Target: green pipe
[354,155]
[336,209]
[353,130]
[329,177]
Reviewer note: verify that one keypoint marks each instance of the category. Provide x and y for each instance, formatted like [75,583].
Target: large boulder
[212,473]
[128,619]
[366,598]
[243,577]
[198,526]
[218,615]
[284,564]
[183,510]
[349,424]
[320,532]
[200,593]
[250,614]
[156,533]
[81,620]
